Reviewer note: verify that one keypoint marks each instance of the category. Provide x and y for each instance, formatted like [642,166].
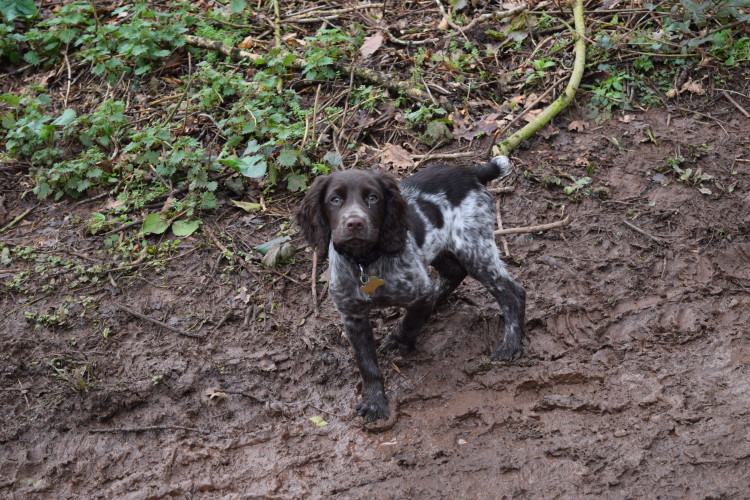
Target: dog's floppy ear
[395,225]
[311,217]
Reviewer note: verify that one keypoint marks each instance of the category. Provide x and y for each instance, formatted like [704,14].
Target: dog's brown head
[359,210]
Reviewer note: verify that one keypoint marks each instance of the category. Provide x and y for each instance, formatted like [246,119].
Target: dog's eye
[372,198]
[335,200]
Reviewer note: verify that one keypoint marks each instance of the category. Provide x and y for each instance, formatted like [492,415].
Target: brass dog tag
[372,284]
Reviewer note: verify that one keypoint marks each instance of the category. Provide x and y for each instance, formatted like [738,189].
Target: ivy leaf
[185,227]
[333,158]
[154,224]
[237,6]
[253,166]
[12,9]
[296,182]
[64,119]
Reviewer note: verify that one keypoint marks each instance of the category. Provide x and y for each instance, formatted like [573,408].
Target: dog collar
[361,261]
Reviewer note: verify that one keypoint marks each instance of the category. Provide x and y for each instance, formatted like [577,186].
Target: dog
[381,237]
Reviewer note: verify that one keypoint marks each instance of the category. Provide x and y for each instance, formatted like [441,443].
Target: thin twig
[736,104]
[496,15]
[19,218]
[535,229]
[641,231]
[226,251]
[501,189]
[450,22]
[157,322]
[503,239]
[333,12]
[67,87]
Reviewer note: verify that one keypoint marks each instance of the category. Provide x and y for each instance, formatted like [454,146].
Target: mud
[634,383]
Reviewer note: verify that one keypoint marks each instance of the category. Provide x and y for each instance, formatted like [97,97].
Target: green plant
[70,177]
[578,187]
[29,133]
[103,127]
[326,48]
[539,70]
[77,375]
[610,93]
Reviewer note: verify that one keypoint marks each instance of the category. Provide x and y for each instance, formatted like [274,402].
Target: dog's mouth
[355,245]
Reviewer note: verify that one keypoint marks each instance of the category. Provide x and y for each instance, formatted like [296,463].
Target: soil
[634,382]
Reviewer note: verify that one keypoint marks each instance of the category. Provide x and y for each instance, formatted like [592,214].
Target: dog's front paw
[373,408]
[507,351]
[392,342]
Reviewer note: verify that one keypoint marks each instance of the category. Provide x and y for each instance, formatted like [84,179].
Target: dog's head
[358,210]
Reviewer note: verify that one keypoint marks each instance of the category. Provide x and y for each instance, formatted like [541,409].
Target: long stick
[534,229]
[562,102]
[157,322]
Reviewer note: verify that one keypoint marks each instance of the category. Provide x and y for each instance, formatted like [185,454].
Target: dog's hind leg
[488,269]
[410,327]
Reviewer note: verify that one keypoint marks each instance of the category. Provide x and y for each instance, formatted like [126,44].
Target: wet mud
[634,382]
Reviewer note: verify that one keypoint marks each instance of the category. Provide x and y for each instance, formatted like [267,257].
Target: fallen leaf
[443,25]
[396,156]
[548,131]
[371,45]
[577,126]
[693,87]
[246,205]
[247,43]
[531,115]
[213,394]
[318,421]
[267,365]
[243,296]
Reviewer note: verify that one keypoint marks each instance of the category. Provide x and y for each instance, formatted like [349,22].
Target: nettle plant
[111,48]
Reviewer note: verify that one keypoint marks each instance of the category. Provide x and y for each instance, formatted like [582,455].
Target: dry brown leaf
[548,131]
[577,126]
[531,115]
[213,394]
[371,45]
[396,156]
[443,24]
[247,43]
[694,87]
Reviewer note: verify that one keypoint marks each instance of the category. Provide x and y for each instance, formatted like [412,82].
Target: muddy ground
[634,383]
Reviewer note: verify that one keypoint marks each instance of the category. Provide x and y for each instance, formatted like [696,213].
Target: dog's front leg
[359,331]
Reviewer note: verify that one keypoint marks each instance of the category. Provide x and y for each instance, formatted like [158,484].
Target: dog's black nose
[355,223]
